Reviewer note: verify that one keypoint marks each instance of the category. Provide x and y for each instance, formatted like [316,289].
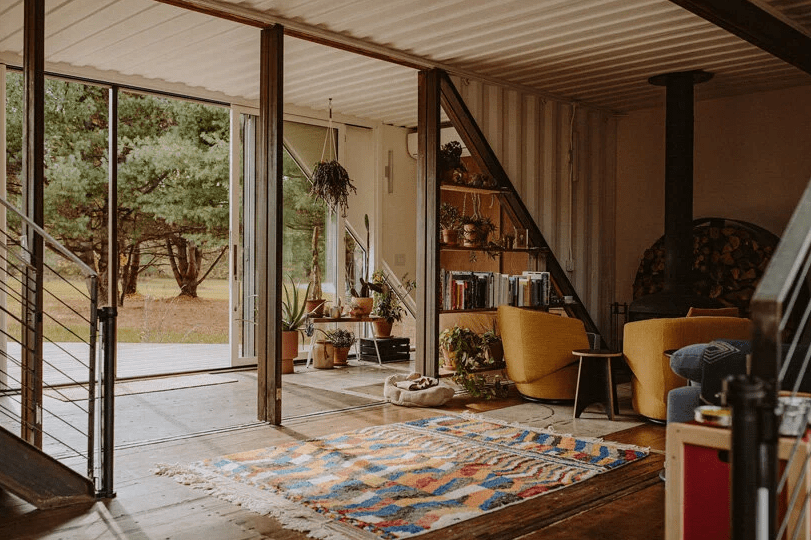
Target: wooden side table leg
[581,395]
[611,406]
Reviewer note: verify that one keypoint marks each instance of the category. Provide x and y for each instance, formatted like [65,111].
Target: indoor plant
[450,163]
[387,304]
[460,343]
[362,301]
[342,341]
[476,230]
[464,352]
[449,223]
[315,301]
[294,315]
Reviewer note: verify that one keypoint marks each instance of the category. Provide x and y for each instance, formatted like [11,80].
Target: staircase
[49,329]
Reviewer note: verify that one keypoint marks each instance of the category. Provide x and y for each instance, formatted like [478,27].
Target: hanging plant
[331,182]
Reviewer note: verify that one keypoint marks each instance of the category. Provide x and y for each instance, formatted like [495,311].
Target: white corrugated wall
[572,201]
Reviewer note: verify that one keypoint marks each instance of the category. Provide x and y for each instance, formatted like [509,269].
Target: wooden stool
[595,381]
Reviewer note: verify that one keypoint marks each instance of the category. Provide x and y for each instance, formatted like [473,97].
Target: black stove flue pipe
[679,120]
[676,296]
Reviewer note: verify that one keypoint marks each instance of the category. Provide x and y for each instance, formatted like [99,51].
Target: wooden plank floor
[626,503]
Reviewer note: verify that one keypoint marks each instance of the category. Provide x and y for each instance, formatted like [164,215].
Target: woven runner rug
[401,480]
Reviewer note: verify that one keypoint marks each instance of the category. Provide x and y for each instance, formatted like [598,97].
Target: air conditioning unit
[446,135]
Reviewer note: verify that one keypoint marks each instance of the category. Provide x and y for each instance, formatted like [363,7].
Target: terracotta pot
[322,355]
[363,305]
[383,328]
[287,366]
[316,307]
[450,237]
[289,350]
[471,236]
[340,355]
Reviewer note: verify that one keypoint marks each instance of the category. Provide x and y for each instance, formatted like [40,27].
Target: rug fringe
[549,431]
[289,514]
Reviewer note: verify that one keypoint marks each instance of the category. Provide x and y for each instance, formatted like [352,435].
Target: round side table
[595,381]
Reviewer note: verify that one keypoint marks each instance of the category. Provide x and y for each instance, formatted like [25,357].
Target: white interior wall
[572,203]
[399,207]
[752,163]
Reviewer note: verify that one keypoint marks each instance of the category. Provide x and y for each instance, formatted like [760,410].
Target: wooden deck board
[152,507]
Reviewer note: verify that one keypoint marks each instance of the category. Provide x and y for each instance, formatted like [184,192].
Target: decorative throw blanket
[400,480]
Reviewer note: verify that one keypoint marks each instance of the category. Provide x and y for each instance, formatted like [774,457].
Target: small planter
[383,328]
[495,351]
[364,305]
[450,237]
[322,355]
[472,236]
[340,355]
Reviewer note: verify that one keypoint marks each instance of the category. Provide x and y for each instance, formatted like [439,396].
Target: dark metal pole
[33,197]
[108,317]
[749,509]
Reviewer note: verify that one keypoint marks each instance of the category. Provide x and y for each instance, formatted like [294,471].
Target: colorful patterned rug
[400,480]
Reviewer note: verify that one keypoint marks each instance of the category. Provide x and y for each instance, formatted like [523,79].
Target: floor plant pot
[340,355]
[289,350]
[383,328]
[322,355]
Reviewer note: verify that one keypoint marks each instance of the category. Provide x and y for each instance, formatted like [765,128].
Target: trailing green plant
[332,184]
[341,338]
[469,348]
[386,301]
[294,312]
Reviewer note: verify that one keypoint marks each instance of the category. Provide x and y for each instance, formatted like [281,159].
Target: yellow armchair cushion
[644,344]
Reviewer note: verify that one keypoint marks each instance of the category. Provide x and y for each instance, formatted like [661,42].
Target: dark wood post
[428,222]
[33,195]
[269,225]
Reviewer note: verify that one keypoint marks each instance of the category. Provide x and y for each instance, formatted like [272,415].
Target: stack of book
[488,290]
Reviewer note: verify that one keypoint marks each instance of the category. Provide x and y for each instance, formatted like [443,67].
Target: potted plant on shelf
[451,168]
[449,223]
[342,341]
[362,301]
[315,302]
[294,315]
[493,347]
[476,229]
[387,304]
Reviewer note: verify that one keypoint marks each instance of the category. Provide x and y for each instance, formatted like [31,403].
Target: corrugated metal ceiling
[600,52]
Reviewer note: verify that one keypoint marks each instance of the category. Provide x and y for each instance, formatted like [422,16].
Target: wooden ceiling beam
[756,25]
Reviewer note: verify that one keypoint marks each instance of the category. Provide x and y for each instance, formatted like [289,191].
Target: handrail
[88,272]
[781,307]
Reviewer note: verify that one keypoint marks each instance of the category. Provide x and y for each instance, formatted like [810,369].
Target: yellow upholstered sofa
[644,344]
[538,352]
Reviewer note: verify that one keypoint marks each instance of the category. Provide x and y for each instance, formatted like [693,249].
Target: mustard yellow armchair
[538,351]
[644,344]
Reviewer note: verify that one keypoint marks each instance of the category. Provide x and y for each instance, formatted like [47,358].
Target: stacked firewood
[729,259]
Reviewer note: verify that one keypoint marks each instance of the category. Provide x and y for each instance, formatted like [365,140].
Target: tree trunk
[185,264]
[129,273]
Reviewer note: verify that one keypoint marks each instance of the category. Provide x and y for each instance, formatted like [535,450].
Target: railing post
[108,318]
[752,456]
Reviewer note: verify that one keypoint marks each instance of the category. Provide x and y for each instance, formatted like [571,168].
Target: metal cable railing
[49,380]
[771,406]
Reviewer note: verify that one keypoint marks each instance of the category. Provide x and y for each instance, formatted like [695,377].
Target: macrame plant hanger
[329,138]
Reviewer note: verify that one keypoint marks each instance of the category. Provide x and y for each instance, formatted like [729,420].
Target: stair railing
[768,467]
[50,398]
